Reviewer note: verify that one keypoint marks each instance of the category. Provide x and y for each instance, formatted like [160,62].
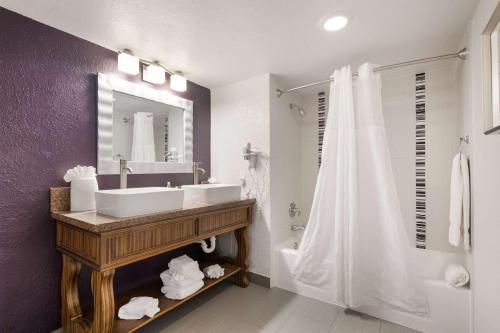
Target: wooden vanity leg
[242,258]
[104,301]
[70,303]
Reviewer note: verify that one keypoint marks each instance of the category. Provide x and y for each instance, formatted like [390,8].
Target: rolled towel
[173,276]
[175,293]
[183,264]
[139,307]
[213,271]
[456,275]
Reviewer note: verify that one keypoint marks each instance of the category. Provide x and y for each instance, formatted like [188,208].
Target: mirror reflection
[147,131]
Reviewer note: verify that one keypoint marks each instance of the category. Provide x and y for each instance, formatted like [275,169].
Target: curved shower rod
[462,54]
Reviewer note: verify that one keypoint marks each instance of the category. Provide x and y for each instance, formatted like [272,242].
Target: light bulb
[335,23]
[154,73]
[128,63]
[178,82]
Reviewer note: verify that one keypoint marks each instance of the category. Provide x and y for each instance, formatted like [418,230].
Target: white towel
[174,293]
[459,202]
[178,280]
[213,271]
[139,307]
[183,264]
[456,275]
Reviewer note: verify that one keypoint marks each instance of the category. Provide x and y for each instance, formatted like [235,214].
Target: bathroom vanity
[106,243]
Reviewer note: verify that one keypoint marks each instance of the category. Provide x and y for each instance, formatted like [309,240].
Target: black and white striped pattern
[166,139]
[420,207]
[321,123]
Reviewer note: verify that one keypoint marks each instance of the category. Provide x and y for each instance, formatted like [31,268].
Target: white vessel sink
[211,193]
[138,201]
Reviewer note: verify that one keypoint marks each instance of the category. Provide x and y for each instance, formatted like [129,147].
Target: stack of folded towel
[182,278]
[139,307]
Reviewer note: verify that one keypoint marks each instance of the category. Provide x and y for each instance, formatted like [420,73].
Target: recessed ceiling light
[335,23]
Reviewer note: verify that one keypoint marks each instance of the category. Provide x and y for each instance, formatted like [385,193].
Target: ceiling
[218,42]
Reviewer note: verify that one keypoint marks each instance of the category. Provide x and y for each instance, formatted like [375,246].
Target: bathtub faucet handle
[293,210]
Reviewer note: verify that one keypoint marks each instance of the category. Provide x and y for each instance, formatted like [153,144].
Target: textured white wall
[485,168]
[286,157]
[240,114]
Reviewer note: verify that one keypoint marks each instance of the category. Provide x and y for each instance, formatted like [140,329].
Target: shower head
[299,109]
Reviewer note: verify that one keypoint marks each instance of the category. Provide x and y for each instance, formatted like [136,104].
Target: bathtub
[449,306]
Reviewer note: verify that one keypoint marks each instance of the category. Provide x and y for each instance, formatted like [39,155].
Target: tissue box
[82,194]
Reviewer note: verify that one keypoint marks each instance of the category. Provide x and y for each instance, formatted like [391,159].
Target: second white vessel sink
[138,201]
[211,193]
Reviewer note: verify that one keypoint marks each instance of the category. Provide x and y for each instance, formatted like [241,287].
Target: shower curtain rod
[462,54]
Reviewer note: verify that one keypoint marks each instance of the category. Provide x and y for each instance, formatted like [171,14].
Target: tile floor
[228,308]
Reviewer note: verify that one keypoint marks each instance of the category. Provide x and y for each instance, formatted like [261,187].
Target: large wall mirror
[152,129]
[491,74]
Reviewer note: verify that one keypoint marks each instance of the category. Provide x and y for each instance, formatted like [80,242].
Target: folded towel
[183,283]
[213,271]
[456,275]
[139,307]
[174,293]
[171,276]
[459,202]
[183,264]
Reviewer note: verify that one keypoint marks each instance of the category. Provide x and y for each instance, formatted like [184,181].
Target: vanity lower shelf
[166,305]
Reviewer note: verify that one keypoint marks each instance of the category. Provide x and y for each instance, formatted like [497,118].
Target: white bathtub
[450,307]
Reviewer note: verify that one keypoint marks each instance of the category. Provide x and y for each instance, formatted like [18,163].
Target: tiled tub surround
[105,244]
[48,126]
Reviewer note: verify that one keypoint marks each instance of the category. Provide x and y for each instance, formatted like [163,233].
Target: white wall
[398,94]
[309,146]
[240,114]
[250,111]
[286,157]
[485,180]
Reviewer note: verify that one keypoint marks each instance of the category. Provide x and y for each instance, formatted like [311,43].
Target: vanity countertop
[97,223]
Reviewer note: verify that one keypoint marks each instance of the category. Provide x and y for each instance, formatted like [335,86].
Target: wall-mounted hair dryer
[250,154]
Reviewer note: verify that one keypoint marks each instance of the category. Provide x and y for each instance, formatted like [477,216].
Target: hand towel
[464,168]
[183,264]
[172,276]
[213,271]
[174,293]
[139,307]
[459,202]
[456,275]
[182,283]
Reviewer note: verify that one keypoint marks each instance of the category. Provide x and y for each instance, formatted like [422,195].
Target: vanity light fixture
[154,73]
[128,63]
[335,23]
[178,82]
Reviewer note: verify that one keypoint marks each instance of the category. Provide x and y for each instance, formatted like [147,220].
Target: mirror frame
[106,164]
[491,125]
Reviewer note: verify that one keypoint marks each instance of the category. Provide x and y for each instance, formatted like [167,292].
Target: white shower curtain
[355,244]
[143,141]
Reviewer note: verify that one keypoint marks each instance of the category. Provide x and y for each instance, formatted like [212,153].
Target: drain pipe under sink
[205,247]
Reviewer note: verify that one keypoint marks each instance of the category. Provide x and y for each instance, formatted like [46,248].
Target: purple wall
[48,125]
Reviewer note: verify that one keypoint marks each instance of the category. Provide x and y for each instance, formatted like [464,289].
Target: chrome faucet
[297,227]
[124,170]
[293,210]
[196,172]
